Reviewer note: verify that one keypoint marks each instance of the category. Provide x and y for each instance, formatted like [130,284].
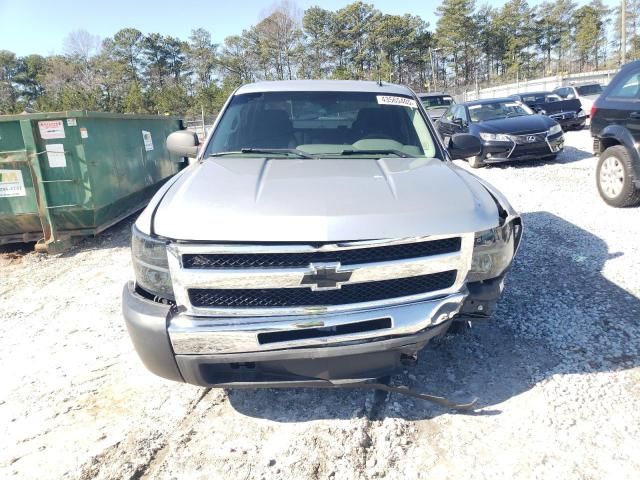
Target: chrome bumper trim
[201,336]
[292,277]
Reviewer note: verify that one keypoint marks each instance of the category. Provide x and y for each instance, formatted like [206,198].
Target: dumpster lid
[82,113]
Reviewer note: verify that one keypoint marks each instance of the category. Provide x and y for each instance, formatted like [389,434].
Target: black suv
[615,128]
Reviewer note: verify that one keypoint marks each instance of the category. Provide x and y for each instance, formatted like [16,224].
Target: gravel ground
[557,370]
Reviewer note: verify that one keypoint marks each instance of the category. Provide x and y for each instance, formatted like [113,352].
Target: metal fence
[540,84]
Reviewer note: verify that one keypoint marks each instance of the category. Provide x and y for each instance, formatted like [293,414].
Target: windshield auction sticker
[11,184]
[392,100]
[51,129]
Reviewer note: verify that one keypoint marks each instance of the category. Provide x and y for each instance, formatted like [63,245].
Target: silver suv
[322,236]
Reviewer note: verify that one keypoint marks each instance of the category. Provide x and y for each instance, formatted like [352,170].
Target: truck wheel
[614,178]
[476,162]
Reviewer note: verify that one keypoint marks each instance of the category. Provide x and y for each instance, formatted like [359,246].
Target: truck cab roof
[324,86]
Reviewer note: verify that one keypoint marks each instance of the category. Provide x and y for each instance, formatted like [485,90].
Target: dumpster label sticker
[11,184]
[148,142]
[84,133]
[55,153]
[71,122]
[392,100]
[51,129]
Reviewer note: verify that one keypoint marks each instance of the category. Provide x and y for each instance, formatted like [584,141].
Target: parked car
[587,94]
[323,235]
[436,103]
[615,128]
[568,113]
[507,128]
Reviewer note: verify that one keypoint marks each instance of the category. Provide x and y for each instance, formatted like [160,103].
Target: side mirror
[183,143]
[464,145]
[458,122]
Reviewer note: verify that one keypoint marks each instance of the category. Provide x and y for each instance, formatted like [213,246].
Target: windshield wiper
[290,151]
[285,151]
[397,153]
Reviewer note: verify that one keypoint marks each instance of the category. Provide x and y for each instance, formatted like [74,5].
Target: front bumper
[503,151]
[572,123]
[233,352]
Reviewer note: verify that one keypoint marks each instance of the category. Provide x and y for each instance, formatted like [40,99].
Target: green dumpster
[75,173]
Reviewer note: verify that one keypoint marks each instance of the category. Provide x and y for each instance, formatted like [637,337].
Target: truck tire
[476,162]
[614,178]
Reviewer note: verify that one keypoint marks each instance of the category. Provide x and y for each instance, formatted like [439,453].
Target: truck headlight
[498,137]
[493,251]
[150,264]
[555,129]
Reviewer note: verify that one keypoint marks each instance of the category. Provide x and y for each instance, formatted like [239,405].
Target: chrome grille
[352,256]
[254,280]
[529,138]
[303,297]
[563,116]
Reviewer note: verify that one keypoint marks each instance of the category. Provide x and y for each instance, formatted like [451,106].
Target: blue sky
[39,26]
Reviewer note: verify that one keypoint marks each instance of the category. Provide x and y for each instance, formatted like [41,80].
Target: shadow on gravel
[572,154]
[16,249]
[118,235]
[558,315]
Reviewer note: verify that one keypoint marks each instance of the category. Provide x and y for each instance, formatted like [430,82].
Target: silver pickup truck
[321,236]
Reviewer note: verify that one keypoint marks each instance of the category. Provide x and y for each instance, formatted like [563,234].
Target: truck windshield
[595,89]
[322,124]
[497,111]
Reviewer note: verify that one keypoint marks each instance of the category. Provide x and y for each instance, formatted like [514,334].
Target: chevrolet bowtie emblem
[326,277]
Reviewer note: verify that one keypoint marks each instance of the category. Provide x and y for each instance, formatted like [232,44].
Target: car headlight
[582,113]
[500,137]
[150,264]
[493,251]
[555,129]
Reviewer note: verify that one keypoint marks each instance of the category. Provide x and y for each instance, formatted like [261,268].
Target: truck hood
[230,199]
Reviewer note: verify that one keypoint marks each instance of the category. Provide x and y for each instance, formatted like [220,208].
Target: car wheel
[614,177]
[476,162]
